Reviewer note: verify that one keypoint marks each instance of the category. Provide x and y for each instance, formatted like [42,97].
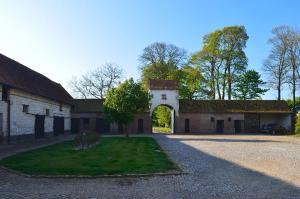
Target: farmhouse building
[189,116]
[31,105]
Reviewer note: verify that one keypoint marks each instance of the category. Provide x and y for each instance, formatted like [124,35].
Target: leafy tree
[191,84]
[232,44]
[96,83]
[123,102]
[161,61]
[249,85]
[290,103]
[162,116]
[222,59]
[209,60]
[297,126]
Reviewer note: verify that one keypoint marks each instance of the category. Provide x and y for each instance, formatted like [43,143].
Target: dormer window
[163,96]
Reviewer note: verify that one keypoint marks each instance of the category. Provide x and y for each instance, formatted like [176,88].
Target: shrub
[280,130]
[297,128]
[86,140]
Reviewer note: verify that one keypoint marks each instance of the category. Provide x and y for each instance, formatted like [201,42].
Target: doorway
[140,126]
[220,126]
[187,125]
[238,126]
[39,126]
[58,125]
[163,119]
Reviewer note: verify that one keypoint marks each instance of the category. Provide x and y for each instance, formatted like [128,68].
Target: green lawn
[162,130]
[113,155]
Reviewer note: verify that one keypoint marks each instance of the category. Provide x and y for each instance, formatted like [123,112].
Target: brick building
[189,116]
[31,105]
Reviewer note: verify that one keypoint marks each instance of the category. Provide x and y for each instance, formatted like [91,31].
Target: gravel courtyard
[215,166]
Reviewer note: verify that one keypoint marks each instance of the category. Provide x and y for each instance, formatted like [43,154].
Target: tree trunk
[229,79]
[213,86]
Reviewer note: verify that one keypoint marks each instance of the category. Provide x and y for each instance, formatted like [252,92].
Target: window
[47,112]
[60,107]
[25,108]
[229,119]
[86,121]
[212,119]
[163,96]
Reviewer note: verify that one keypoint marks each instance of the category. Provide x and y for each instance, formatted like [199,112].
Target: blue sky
[61,39]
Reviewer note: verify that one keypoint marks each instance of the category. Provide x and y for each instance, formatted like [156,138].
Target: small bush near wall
[297,129]
[86,140]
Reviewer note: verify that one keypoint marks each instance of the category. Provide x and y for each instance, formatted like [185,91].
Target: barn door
[140,126]
[39,126]
[102,126]
[220,126]
[75,125]
[58,125]
[187,125]
[238,126]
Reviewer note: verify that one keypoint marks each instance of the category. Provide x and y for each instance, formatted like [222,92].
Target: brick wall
[201,122]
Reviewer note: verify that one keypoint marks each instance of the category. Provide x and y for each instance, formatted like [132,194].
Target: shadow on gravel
[221,140]
[214,177]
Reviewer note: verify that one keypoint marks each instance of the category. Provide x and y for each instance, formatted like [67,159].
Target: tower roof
[159,84]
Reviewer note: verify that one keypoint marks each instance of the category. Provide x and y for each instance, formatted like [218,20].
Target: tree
[293,54]
[249,85]
[232,44]
[191,83]
[209,60]
[163,116]
[276,65]
[123,102]
[222,59]
[161,61]
[291,103]
[96,83]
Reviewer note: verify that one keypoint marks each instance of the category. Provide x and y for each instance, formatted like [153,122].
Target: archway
[163,117]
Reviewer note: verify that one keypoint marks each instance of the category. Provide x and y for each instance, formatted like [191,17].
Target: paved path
[217,167]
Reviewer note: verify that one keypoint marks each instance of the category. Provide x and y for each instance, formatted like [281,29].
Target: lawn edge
[169,173]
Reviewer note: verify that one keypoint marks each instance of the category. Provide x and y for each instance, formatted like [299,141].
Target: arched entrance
[165,93]
[163,119]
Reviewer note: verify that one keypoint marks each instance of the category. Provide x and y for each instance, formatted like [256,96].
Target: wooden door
[238,126]
[75,125]
[39,126]
[220,126]
[58,125]
[140,126]
[187,125]
[102,126]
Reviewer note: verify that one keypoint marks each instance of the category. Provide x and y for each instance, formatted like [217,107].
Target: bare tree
[293,53]
[96,83]
[276,65]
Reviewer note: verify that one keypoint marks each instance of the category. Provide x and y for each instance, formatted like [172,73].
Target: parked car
[268,128]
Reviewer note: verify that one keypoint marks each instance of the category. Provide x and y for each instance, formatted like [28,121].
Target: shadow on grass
[213,177]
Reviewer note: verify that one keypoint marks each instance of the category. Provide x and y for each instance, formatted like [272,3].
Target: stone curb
[174,173]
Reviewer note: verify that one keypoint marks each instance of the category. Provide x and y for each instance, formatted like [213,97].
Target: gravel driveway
[216,166]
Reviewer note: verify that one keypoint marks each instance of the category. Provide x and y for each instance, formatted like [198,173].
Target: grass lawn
[161,129]
[113,155]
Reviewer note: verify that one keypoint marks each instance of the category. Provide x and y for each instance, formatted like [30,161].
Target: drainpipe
[8,121]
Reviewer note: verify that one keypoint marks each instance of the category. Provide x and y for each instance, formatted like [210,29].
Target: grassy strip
[114,155]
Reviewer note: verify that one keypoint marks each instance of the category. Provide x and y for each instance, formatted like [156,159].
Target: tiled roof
[18,76]
[241,106]
[88,105]
[159,84]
